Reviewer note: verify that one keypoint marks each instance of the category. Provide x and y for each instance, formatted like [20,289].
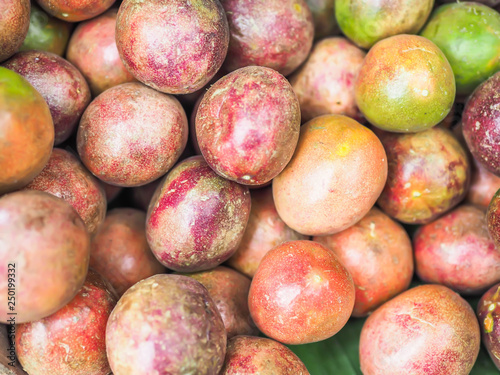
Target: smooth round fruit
[59,82]
[248,124]
[277,34]
[405,84]
[75,10]
[429,174]
[45,244]
[14,26]
[171,316]
[427,329]
[131,134]
[488,313]
[493,218]
[26,131]
[70,341]
[92,49]
[481,124]
[174,46]
[301,293]
[468,33]
[334,178]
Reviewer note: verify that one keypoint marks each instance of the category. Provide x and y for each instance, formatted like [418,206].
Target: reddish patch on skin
[75,10]
[429,174]
[277,34]
[14,26]
[174,46]
[65,177]
[301,293]
[131,135]
[265,230]
[481,124]
[488,313]
[71,341]
[248,124]
[92,49]
[259,356]
[483,185]
[166,315]
[60,84]
[427,330]
[493,218]
[196,219]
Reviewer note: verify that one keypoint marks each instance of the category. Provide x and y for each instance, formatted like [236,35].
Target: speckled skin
[61,85]
[457,251]
[301,293]
[120,251]
[65,177]
[277,34]
[428,329]
[75,10]
[483,185]
[265,230]
[378,254]
[468,33]
[247,125]
[26,131]
[429,174]
[493,218]
[260,356]
[334,178]
[323,13]
[229,290]
[173,57]
[92,49]
[488,314]
[131,134]
[481,124]
[405,84]
[71,341]
[14,26]
[325,83]
[196,219]
[366,22]
[48,242]
[166,324]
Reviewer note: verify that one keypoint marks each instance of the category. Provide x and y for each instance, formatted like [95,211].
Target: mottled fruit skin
[131,134]
[325,83]
[65,177]
[173,317]
[366,22]
[428,329]
[75,10]
[277,34]
[481,124]
[405,84]
[92,49]
[14,26]
[483,185]
[229,290]
[334,178]
[46,33]
[196,219]
[378,254]
[173,57]
[260,356]
[468,33]
[301,293]
[46,239]
[71,341]
[429,174]
[488,314]
[493,218]
[59,82]
[248,124]
[26,131]
[323,13]
[457,251]
[265,230]
[120,251]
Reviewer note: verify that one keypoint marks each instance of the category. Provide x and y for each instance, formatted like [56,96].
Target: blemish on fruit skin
[488,323]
